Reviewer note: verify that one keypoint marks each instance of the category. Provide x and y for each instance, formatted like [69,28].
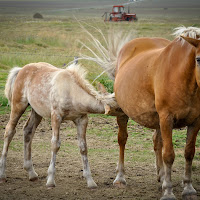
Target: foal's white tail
[10,82]
[106,54]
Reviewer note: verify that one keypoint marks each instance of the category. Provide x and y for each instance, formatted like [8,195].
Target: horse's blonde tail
[105,53]
[10,82]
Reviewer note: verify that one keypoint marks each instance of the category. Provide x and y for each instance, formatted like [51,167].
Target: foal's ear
[192,41]
[101,88]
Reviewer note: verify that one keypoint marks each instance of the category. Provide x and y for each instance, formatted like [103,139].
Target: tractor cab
[118,9]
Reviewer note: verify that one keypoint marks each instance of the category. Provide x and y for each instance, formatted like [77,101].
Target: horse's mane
[192,32]
[79,74]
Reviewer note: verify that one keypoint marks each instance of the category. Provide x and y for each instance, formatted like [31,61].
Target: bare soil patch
[140,176]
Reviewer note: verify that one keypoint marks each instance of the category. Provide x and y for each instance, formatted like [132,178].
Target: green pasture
[55,39]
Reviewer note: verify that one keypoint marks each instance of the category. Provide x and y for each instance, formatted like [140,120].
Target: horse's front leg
[122,138]
[158,144]
[29,130]
[166,124]
[55,146]
[189,193]
[81,124]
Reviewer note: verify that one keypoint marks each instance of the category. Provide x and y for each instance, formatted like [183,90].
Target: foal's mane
[192,32]
[79,74]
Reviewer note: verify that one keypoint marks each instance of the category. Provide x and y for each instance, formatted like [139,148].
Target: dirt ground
[140,177]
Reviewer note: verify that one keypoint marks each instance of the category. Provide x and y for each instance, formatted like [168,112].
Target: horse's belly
[145,117]
[140,107]
[43,109]
[136,98]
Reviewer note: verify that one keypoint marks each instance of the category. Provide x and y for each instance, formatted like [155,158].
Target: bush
[38,16]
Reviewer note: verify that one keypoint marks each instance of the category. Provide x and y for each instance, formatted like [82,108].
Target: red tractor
[118,14]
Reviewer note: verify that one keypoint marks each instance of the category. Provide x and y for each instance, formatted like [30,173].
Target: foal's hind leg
[81,124]
[122,138]
[17,110]
[29,130]
[189,192]
[158,144]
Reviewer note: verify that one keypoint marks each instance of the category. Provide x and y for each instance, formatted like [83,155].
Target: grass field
[55,39]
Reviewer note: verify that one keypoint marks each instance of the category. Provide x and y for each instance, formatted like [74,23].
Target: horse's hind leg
[158,144]
[189,192]
[17,110]
[29,130]
[81,124]
[122,138]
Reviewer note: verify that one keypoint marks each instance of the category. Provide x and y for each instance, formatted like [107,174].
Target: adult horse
[59,94]
[157,85]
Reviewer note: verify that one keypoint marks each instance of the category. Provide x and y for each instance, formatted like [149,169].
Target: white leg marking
[81,124]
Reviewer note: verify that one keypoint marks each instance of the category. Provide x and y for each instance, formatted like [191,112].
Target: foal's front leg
[122,138]
[81,124]
[55,146]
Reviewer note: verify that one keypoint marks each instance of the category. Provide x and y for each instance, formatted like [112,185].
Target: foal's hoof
[92,186]
[2,180]
[189,197]
[120,184]
[168,197]
[50,186]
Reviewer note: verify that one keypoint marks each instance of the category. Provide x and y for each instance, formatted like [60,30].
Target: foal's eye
[198,60]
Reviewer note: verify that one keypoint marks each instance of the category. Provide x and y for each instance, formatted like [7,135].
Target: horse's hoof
[189,197]
[33,179]
[2,180]
[119,184]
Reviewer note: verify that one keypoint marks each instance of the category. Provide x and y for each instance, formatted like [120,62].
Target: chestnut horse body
[157,85]
[164,95]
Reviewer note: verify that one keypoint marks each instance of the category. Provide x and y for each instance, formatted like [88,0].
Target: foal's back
[49,89]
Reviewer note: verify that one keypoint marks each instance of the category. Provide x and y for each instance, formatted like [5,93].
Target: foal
[59,94]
